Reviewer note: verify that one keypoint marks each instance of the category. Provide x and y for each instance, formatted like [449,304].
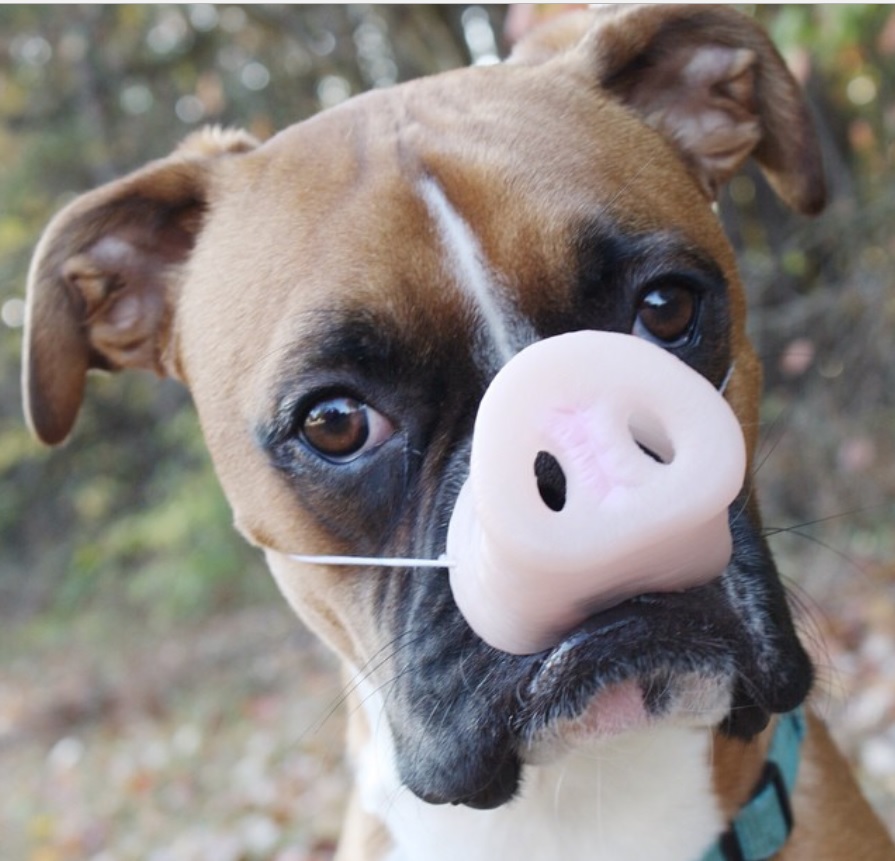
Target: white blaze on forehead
[504,328]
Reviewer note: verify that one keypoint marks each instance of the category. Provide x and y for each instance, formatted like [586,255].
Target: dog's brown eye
[342,428]
[667,313]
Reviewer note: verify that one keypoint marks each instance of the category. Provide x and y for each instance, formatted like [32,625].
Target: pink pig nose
[602,468]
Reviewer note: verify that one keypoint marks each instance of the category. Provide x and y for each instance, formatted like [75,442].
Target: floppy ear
[709,80]
[104,277]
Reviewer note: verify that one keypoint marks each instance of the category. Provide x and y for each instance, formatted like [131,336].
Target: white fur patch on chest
[643,796]
[503,329]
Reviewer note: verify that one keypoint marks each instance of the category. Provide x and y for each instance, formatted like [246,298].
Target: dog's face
[338,299]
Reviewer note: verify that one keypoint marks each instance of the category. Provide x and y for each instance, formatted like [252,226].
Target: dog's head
[338,299]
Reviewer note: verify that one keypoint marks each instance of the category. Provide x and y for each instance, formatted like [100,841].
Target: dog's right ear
[707,78]
[105,275]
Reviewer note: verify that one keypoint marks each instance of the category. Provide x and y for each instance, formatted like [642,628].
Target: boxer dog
[337,301]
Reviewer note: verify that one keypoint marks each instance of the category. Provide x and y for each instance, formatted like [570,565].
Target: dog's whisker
[364,673]
[486,679]
[461,668]
[772,436]
[769,531]
[810,617]
[813,539]
[557,790]
[381,657]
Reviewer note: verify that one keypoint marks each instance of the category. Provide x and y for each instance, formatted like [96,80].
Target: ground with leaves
[221,740]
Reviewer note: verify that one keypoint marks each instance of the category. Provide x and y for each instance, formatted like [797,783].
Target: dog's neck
[640,795]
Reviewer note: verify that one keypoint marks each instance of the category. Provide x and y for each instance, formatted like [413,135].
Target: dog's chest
[640,796]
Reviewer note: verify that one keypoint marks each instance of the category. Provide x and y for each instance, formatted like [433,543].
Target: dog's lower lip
[603,624]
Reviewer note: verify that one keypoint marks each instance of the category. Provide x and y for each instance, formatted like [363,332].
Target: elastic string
[726,379]
[385,562]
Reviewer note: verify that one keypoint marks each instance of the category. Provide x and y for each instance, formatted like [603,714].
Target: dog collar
[763,825]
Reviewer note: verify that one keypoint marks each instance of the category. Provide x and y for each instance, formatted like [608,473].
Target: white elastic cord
[727,377]
[386,562]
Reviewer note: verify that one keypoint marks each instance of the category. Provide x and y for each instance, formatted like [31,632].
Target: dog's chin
[697,702]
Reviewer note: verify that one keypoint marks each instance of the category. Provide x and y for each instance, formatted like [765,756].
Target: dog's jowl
[339,299]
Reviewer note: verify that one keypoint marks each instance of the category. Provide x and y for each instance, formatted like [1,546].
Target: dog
[338,299]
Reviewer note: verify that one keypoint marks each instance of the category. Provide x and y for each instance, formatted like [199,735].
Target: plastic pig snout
[602,468]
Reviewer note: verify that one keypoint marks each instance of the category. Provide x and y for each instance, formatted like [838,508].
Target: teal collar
[762,827]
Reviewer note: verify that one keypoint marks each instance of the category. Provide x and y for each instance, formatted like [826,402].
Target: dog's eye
[340,428]
[667,313]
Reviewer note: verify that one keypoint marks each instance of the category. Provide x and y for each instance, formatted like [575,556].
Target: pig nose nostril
[651,438]
[650,453]
[551,481]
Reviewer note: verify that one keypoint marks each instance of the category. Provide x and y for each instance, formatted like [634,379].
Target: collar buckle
[765,822]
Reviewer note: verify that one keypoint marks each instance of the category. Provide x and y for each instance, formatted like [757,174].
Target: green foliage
[850,48]
[176,552]
[128,511]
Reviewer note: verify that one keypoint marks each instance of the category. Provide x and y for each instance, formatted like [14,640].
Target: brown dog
[338,299]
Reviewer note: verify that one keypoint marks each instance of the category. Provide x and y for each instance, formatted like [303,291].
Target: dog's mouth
[467,718]
[650,658]
[663,657]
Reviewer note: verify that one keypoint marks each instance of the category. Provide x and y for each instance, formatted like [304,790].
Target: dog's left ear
[708,79]
[104,278]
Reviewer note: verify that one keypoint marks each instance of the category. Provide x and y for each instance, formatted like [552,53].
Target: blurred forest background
[157,700]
